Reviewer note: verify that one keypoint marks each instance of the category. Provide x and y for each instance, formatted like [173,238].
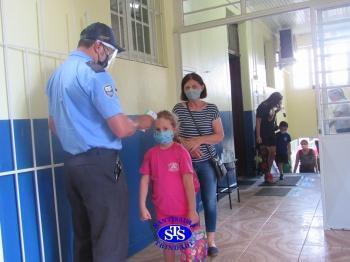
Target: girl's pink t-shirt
[166,168]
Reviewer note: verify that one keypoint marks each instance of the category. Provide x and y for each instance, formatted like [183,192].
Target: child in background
[282,147]
[307,159]
[168,167]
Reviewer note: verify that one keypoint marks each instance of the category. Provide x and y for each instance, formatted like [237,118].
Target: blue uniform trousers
[97,192]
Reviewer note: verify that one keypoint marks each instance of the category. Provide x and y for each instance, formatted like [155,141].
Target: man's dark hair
[196,78]
[283,124]
[87,43]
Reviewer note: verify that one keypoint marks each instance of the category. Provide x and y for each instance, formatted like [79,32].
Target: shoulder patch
[95,67]
[108,90]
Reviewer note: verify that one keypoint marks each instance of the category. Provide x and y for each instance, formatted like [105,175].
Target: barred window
[137,25]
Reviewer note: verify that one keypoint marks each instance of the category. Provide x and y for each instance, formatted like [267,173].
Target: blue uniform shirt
[282,141]
[82,96]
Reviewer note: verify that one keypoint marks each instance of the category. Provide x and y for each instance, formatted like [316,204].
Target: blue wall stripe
[29,217]
[42,143]
[65,219]
[134,148]
[9,220]
[24,153]
[48,218]
[6,161]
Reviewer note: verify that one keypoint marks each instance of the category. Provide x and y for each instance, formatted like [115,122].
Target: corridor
[271,228]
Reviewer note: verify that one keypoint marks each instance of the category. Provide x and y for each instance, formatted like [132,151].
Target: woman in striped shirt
[199,138]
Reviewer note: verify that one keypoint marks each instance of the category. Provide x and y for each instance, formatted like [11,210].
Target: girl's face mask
[163,137]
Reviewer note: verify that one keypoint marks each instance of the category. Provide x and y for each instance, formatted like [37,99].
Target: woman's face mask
[163,137]
[193,93]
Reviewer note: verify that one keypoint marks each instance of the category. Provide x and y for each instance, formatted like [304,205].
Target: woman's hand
[258,140]
[197,153]
[145,214]
[193,143]
[193,216]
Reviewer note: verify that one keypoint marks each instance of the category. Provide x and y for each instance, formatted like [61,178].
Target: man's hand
[144,121]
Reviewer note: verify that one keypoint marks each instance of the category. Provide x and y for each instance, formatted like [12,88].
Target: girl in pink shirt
[168,167]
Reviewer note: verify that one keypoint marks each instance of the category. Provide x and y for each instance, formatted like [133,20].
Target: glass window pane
[147,40]
[135,7]
[114,5]
[145,15]
[139,37]
[134,42]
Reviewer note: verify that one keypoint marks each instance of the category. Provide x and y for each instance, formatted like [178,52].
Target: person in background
[200,143]
[305,159]
[283,150]
[86,115]
[266,127]
[341,109]
[168,167]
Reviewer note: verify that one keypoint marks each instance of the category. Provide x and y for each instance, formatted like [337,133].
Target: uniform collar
[80,54]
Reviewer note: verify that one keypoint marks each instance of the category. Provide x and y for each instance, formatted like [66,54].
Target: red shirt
[166,168]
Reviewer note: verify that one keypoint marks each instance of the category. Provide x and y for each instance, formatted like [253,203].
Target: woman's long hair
[274,99]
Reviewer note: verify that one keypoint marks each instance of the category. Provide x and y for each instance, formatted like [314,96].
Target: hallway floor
[270,228]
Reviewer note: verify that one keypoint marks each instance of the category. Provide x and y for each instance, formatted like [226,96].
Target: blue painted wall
[140,233]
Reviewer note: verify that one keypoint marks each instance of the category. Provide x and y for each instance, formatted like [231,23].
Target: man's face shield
[110,51]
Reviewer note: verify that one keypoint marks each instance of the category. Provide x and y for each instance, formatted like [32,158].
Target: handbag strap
[194,122]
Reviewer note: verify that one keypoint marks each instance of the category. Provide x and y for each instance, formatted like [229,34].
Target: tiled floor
[265,228]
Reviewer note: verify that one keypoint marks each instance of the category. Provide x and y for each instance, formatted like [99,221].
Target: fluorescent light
[135,5]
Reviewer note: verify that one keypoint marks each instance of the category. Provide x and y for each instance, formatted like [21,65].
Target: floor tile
[321,253]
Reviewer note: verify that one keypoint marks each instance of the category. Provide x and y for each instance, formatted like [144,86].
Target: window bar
[10,113]
[120,22]
[128,29]
[55,194]
[154,34]
[211,8]
[324,98]
[143,33]
[243,7]
[29,108]
[161,40]
[133,20]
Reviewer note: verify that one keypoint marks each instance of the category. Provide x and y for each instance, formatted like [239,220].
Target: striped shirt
[204,120]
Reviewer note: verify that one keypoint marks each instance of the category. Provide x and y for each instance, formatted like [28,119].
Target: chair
[228,184]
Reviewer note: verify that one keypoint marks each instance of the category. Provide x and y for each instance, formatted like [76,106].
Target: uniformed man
[86,115]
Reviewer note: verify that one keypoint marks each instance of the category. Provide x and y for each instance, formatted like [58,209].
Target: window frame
[131,23]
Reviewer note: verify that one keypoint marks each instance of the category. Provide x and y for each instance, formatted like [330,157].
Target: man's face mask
[110,53]
[163,137]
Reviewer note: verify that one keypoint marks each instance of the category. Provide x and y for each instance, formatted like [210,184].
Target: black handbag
[219,167]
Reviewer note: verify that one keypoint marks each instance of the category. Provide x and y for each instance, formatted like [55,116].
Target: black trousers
[97,192]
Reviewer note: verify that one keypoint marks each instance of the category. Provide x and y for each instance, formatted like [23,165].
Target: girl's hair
[274,99]
[168,116]
[196,78]
[173,120]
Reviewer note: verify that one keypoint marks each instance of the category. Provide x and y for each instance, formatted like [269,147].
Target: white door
[332,72]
